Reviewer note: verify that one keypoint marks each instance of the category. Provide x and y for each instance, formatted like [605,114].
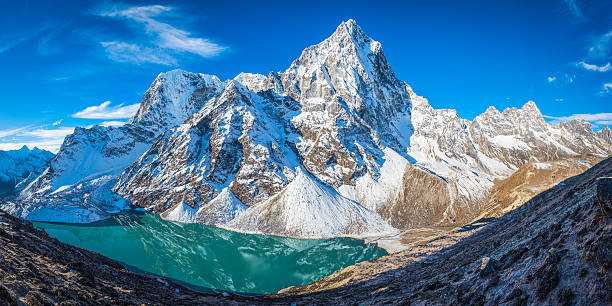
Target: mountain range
[16,165]
[336,145]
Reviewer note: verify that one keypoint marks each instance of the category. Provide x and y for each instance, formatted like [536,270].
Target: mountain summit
[335,145]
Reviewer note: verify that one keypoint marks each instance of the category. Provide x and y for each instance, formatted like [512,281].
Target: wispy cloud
[42,137]
[11,132]
[595,119]
[135,54]
[593,67]
[106,111]
[606,89]
[601,46]
[46,43]
[163,37]
[8,42]
[574,8]
[50,133]
[564,79]
[112,123]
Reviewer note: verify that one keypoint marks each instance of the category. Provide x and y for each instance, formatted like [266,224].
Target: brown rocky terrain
[554,249]
[531,179]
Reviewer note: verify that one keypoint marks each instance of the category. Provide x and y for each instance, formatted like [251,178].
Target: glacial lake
[206,257]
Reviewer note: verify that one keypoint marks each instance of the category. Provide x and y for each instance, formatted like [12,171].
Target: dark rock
[604,195]
[6,297]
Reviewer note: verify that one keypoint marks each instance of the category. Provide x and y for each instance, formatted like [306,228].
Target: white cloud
[607,89]
[163,35]
[50,133]
[559,100]
[135,54]
[58,122]
[592,67]
[595,119]
[105,111]
[551,79]
[112,123]
[43,138]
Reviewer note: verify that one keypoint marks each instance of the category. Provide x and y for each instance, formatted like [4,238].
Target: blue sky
[78,63]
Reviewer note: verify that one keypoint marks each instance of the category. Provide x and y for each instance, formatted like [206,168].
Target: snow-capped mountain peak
[173,96]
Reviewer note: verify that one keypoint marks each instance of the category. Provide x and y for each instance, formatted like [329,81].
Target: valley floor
[555,249]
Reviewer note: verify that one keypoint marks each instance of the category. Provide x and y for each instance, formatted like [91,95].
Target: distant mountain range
[16,165]
[335,145]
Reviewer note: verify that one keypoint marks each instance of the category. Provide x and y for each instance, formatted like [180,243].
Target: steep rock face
[238,140]
[422,198]
[352,105]
[83,172]
[174,96]
[16,165]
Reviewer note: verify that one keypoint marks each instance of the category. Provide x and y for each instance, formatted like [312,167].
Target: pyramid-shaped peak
[492,109]
[530,106]
[351,27]
[353,31]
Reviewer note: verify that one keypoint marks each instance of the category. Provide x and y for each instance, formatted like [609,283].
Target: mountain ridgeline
[336,145]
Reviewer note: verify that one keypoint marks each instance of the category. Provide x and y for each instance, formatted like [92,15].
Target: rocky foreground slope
[555,249]
[202,150]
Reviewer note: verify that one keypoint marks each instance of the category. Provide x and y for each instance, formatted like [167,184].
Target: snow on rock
[221,209]
[16,165]
[65,213]
[307,208]
[181,213]
[90,160]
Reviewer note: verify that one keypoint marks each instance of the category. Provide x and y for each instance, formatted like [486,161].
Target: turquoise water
[209,257]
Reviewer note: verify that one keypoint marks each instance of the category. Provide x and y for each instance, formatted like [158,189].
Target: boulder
[488,265]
